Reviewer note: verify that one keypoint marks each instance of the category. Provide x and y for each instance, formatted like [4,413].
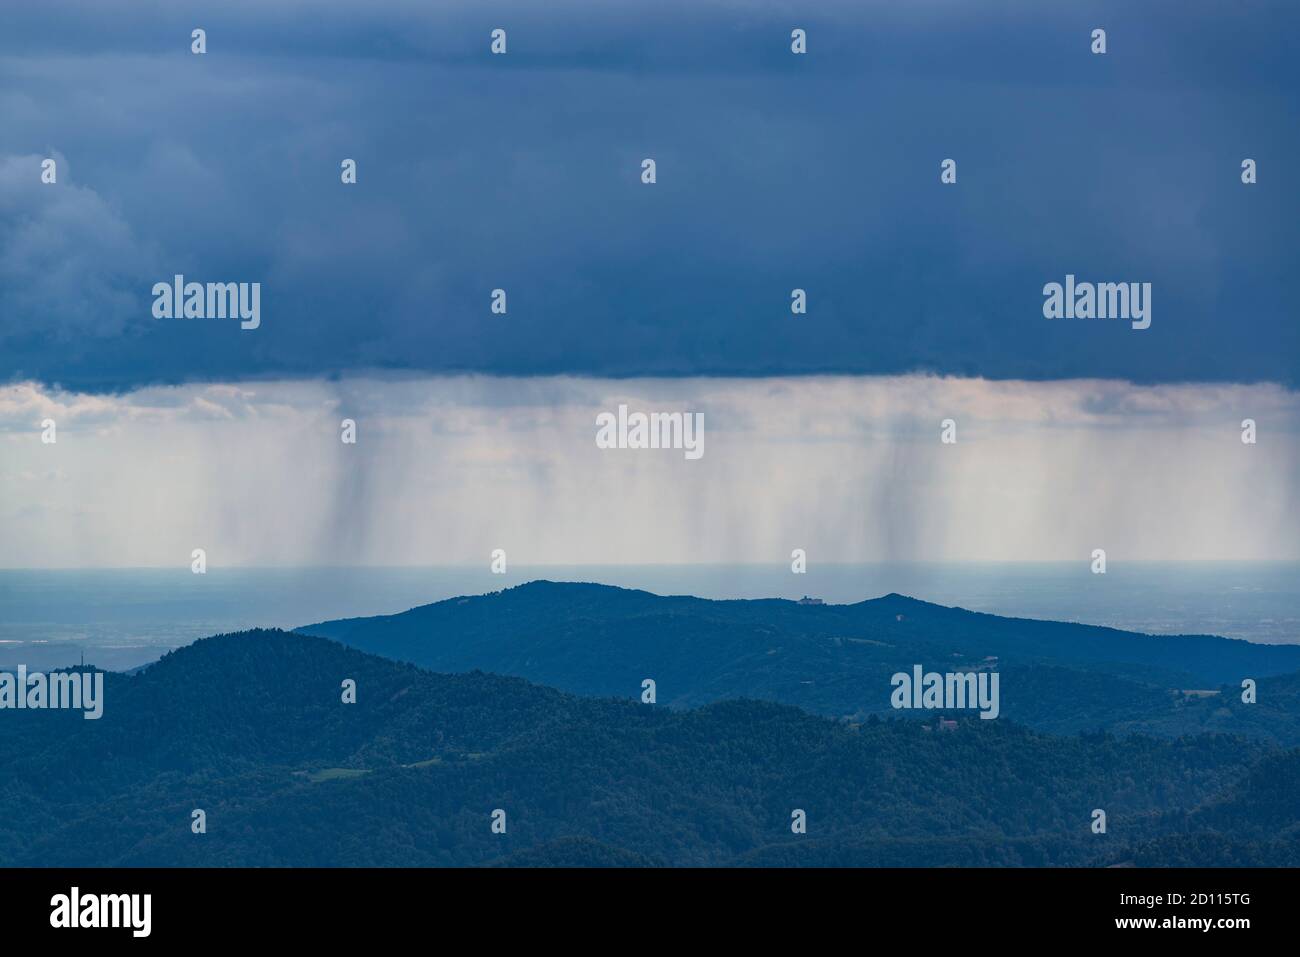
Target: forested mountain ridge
[252,729]
[838,659]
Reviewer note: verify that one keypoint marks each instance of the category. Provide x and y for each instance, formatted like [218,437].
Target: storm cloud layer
[521,172]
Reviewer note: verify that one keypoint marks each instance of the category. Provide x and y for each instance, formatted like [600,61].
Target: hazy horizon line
[685,564]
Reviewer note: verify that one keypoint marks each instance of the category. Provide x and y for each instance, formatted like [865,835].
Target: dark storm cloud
[522,172]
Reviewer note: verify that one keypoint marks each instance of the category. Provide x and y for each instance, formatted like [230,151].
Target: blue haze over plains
[123,617]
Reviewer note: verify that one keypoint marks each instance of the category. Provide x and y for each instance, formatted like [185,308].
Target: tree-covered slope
[251,728]
[833,659]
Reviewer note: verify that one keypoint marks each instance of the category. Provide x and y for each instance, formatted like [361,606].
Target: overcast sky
[447,469]
[522,172]
[775,171]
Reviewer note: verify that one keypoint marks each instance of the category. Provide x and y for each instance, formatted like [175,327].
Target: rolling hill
[251,728]
[837,660]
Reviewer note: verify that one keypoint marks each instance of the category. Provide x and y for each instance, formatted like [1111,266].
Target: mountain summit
[836,660]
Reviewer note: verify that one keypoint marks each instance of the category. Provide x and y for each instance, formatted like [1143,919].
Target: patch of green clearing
[335,774]
[424,764]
